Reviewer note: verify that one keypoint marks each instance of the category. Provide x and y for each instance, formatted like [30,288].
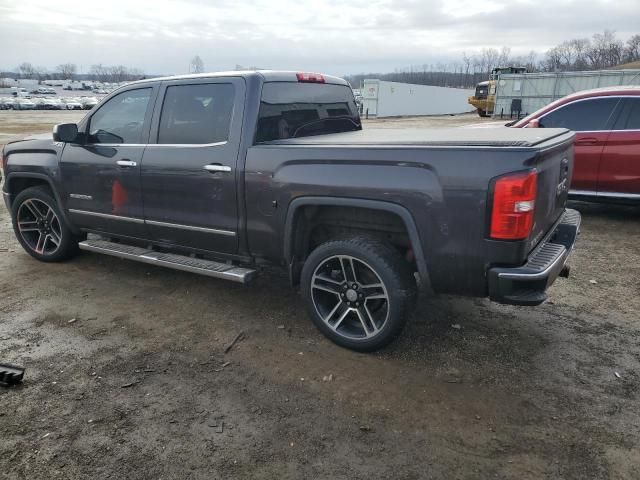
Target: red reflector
[310,77]
[514,198]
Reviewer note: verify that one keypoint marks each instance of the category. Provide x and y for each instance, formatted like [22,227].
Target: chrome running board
[170,260]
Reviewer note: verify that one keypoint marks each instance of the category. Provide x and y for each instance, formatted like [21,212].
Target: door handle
[216,167]
[126,163]
[587,141]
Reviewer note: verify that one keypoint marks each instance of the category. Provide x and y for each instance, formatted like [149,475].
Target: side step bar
[170,260]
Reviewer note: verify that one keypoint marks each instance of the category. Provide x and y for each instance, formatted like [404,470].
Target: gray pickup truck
[219,174]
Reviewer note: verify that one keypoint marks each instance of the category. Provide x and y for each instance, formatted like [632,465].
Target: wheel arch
[297,205]
[19,181]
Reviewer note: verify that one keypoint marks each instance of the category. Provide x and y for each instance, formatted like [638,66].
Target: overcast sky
[334,36]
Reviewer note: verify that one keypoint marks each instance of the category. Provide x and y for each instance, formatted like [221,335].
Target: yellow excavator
[485,98]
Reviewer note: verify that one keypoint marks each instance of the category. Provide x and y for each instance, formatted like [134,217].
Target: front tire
[358,292]
[40,227]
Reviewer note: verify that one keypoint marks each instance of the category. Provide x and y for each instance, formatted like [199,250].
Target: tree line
[601,51]
[69,71]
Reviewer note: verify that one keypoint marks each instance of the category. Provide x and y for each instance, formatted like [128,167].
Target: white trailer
[393,99]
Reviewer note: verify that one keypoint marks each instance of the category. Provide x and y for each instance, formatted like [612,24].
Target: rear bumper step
[170,260]
[527,284]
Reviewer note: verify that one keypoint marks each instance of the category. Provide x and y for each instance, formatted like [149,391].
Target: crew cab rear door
[189,167]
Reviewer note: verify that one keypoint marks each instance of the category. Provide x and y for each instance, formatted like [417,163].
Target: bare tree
[197,65]
[632,49]
[66,70]
[605,50]
[26,70]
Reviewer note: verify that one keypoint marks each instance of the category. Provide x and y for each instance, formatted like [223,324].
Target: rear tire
[482,113]
[358,292]
[40,227]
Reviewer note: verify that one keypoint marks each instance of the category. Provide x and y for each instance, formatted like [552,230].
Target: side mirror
[535,123]
[65,132]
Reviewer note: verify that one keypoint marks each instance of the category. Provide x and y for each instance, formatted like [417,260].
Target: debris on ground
[127,385]
[328,378]
[365,428]
[224,365]
[593,282]
[239,337]
[617,374]
[456,326]
[280,327]
[73,320]
[10,374]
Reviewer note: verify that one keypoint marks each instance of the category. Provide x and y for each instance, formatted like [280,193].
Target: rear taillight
[310,77]
[514,201]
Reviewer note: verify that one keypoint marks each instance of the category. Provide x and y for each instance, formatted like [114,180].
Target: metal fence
[535,90]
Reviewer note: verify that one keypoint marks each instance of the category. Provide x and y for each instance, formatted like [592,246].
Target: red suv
[607,145]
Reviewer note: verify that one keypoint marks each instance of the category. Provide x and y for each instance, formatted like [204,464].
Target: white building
[393,99]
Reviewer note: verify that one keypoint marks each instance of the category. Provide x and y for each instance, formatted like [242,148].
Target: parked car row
[48,103]
[44,91]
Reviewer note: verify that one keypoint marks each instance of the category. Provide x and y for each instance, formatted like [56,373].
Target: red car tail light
[514,200]
[310,77]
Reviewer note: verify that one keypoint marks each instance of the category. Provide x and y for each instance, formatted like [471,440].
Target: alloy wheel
[350,297]
[39,226]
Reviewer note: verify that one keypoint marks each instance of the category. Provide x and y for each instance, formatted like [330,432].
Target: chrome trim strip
[191,228]
[191,145]
[106,215]
[590,193]
[216,231]
[619,195]
[80,196]
[586,193]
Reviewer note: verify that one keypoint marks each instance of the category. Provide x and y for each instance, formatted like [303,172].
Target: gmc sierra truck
[218,174]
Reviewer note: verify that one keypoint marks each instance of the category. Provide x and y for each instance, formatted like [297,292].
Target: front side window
[121,119]
[196,114]
[630,115]
[581,116]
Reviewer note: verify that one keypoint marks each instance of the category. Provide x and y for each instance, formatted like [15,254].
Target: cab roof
[266,75]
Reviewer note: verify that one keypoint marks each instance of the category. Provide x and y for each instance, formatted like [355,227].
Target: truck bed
[435,137]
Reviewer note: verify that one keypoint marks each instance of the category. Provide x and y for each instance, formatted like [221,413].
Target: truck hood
[37,142]
[436,137]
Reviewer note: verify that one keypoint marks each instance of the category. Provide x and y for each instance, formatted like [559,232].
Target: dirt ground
[127,376]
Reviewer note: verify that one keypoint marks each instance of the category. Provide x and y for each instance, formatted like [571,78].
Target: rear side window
[121,119]
[582,116]
[196,114]
[630,116]
[291,109]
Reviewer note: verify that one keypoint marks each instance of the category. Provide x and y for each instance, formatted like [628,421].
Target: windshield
[293,109]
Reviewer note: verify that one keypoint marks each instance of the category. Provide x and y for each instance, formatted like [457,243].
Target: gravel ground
[127,376]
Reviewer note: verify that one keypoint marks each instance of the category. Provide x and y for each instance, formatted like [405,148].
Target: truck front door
[189,167]
[101,175]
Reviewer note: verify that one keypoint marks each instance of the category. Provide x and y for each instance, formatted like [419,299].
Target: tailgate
[555,167]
